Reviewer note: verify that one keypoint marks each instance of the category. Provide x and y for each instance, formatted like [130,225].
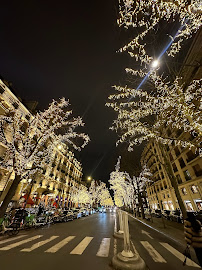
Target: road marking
[179,255]
[104,248]
[21,242]
[11,239]
[59,245]
[39,244]
[148,234]
[79,249]
[152,252]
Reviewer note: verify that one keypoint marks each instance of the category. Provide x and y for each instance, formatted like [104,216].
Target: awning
[29,201]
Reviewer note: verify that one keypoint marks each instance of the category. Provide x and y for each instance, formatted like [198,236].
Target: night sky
[67,48]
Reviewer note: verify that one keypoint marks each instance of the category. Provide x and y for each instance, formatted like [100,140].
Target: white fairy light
[169,103]
[29,144]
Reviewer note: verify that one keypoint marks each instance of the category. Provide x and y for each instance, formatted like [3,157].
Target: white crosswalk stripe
[79,249]
[12,239]
[152,252]
[39,244]
[179,255]
[21,242]
[104,248]
[59,245]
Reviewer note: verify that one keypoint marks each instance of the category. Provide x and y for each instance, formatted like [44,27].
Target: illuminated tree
[146,16]
[168,104]
[29,144]
[120,183]
[80,195]
[139,184]
[105,198]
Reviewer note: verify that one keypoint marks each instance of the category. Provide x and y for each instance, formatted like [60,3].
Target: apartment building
[52,186]
[187,167]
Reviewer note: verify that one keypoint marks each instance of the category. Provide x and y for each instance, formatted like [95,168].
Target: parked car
[176,216]
[77,213]
[166,214]
[157,213]
[66,215]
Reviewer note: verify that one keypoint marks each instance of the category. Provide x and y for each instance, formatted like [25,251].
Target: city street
[158,250]
[88,243]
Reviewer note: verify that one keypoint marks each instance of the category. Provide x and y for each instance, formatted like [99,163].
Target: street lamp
[89,178]
[155,64]
[59,147]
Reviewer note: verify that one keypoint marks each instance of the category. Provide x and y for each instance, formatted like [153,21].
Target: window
[182,164]
[165,185]
[197,170]
[184,192]
[27,117]
[174,167]
[194,189]
[177,152]
[179,180]
[187,175]
[1,90]
[191,156]
[15,105]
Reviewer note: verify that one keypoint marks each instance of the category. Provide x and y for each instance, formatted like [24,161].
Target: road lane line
[59,245]
[104,248]
[179,255]
[21,242]
[79,249]
[39,244]
[11,239]
[148,234]
[152,252]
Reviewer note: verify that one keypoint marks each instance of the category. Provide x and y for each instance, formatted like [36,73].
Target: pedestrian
[194,239]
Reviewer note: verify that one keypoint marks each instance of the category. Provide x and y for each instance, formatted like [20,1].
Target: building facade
[186,163]
[187,167]
[52,186]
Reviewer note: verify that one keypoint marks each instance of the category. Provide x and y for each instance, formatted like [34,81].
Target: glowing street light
[59,147]
[89,178]
[155,64]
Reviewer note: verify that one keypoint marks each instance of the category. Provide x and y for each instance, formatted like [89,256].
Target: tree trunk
[173,180]
[9,195]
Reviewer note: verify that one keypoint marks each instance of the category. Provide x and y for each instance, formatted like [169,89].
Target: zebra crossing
[103,250]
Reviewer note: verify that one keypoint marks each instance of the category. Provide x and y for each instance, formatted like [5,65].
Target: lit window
[184,192]
[187,175]
[194,189]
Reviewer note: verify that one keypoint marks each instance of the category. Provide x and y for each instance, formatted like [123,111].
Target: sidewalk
[172,229]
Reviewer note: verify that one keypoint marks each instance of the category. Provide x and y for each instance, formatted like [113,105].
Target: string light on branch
[146,15]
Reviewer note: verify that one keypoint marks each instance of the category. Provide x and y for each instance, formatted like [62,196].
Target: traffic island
[119,234]
[127,259]
[120,262]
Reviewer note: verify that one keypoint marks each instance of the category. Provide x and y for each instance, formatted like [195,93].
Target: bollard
[126,251]
[120,233]
[127,259]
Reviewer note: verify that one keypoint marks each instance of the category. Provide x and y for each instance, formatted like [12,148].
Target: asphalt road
[88,243]
[158,250]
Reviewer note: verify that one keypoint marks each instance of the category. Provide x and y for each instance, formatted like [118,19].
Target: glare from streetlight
[155,64]
[59,147]
[89,178]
